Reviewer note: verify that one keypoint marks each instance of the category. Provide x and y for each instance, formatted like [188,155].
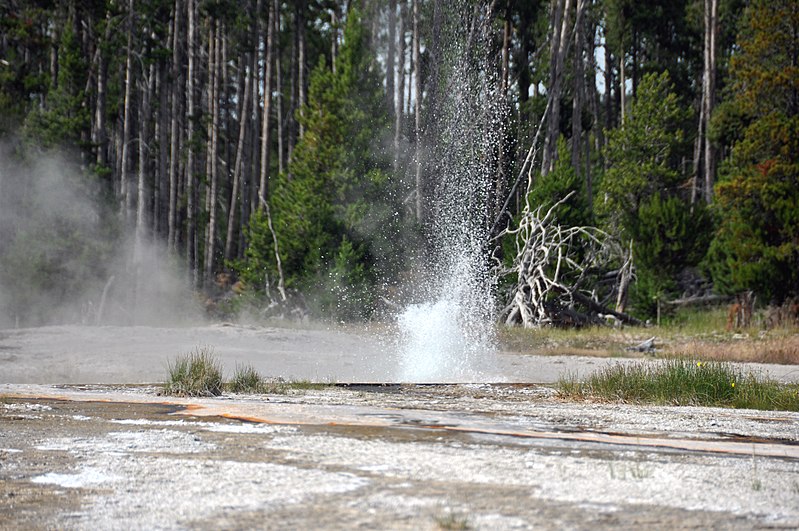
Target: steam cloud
[65,257]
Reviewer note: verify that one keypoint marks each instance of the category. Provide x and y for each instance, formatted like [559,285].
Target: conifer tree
[333,211]
[757,243]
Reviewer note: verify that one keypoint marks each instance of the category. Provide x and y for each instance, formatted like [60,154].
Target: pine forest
[614,159]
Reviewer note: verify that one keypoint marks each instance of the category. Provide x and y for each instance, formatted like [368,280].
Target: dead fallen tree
[559,271]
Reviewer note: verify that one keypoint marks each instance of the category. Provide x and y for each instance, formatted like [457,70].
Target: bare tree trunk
[270,53]
[127,122]
[191,223]
[161,179]
[334,21]
[596,128]
[255,147]
[417,93]
[281,286]
[698,147]
[392,44]
[174,140]
[301,60]
[281,151]
[594,97]
[624,277]
[143,145]
[250,198]
[400,86]
[709,88]
[101,135]
[500,187]
[622,87]
[558,45]
[237,165]
[608,90]
[579,86]
[291,122]
[214,68]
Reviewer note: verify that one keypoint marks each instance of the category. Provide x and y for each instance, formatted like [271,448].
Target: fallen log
[699,300]
[599,308]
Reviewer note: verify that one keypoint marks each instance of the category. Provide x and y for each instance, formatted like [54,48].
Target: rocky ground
[387,457]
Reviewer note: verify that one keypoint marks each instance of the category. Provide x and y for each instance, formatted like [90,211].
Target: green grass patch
[683,382]
[195,374]
[200,374]
[247,380]
[452,522]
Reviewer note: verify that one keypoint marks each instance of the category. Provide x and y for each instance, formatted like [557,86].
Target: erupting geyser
[450,336]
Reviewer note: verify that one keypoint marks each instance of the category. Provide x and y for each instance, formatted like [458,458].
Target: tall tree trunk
[522,60]
[191,222]
[609,112]
[214,68]
[500,186]
[257,115]
[558,46]
[101,135]
[392,44]
[417,93]
[301,60]
[411,70]
[249,168]
[579,86]
[281,137]
[334,21]
[237,165]
[174,135]
[622,87]
[291,122]
[270,53]
[593,93]
[709,88]
[698,147]
[142,197]
[400,86]
[125,184]
[163,153]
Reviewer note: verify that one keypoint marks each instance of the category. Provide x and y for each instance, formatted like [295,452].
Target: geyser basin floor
[113,354]
[407,457]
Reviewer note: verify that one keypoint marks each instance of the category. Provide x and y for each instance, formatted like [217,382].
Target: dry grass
[778,350]
[692,334]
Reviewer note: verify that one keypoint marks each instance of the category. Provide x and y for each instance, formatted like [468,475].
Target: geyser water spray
[450,335]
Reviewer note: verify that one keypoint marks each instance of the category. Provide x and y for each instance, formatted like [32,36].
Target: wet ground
[139,354]
[77,452]
[387,457]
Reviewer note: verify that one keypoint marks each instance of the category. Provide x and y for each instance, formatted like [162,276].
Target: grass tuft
[195,374]
[683,382]
[247,380]
[451,522]
[200,374]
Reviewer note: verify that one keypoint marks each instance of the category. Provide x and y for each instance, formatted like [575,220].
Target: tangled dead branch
[559,272]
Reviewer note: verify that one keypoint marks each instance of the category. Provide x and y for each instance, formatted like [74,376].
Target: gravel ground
[387,457]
